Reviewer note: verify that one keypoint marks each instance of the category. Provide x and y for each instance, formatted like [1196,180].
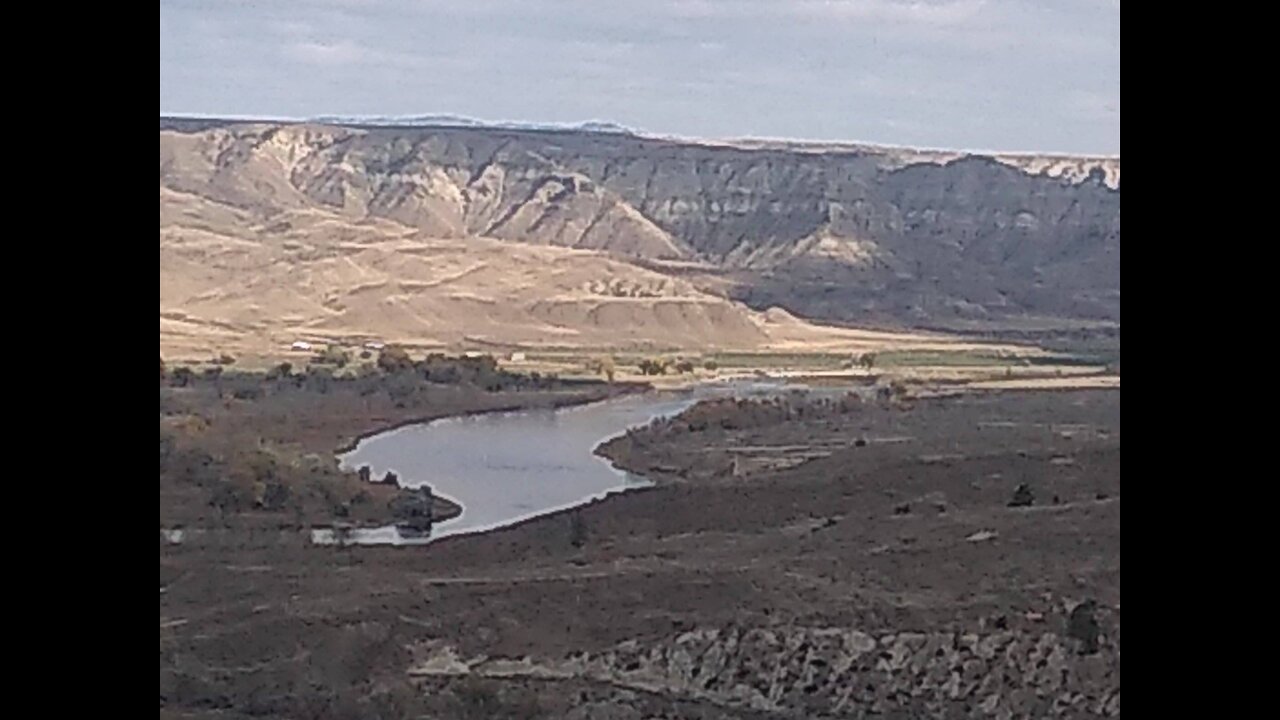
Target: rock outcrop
[844,672]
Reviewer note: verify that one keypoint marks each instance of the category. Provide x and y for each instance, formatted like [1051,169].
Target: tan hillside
[330,279]
[270,234]
[838,232]
[238,280]
[441,190]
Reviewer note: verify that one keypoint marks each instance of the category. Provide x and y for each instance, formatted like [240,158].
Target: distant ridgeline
[837,232]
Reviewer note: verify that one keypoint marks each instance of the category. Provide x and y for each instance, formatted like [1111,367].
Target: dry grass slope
[269,235]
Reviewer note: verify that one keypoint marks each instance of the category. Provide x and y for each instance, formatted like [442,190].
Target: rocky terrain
[844,234]
[938,557]
[830,671]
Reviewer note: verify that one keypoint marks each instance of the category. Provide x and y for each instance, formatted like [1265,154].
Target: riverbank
[510,467]
[258,449]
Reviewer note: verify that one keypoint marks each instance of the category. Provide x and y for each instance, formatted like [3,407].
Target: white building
[300,345]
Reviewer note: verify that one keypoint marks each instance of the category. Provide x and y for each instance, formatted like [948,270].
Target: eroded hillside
[843,234]
[253,280]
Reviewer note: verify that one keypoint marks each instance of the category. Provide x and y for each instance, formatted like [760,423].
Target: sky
[1009,75]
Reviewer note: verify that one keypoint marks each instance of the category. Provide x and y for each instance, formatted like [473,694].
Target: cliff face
[853,236]
[842,233]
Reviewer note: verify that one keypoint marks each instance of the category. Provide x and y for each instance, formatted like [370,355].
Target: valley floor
[796,559]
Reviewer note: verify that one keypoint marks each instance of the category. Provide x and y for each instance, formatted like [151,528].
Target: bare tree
[604,366]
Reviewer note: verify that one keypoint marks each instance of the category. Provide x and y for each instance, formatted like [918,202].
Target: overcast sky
[1033,75]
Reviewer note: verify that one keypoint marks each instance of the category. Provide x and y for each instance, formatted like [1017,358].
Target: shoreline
[249,449]
[618,451]
[629,388]
[453,508]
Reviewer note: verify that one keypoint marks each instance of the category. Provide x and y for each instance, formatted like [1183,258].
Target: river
[503,468]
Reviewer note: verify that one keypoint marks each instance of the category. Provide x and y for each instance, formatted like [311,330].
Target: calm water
[504,468]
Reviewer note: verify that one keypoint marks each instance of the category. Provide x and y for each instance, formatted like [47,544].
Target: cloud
[935,12]
[1006,74]
[930,12]
[315,53]
[348,53]
[293,28]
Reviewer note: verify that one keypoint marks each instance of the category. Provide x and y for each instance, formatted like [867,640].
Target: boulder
[1022,497]
[1082,625]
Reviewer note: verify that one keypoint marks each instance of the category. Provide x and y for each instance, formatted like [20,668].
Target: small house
[300,345]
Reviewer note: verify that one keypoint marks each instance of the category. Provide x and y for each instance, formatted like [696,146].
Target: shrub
[401,387]
[394,358]
[319,378]
[181,377]
[280,371]
[229,496]
[1022,496]
[652,367]
[333,355]
[1083,626]
[272,495]
[603,366]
